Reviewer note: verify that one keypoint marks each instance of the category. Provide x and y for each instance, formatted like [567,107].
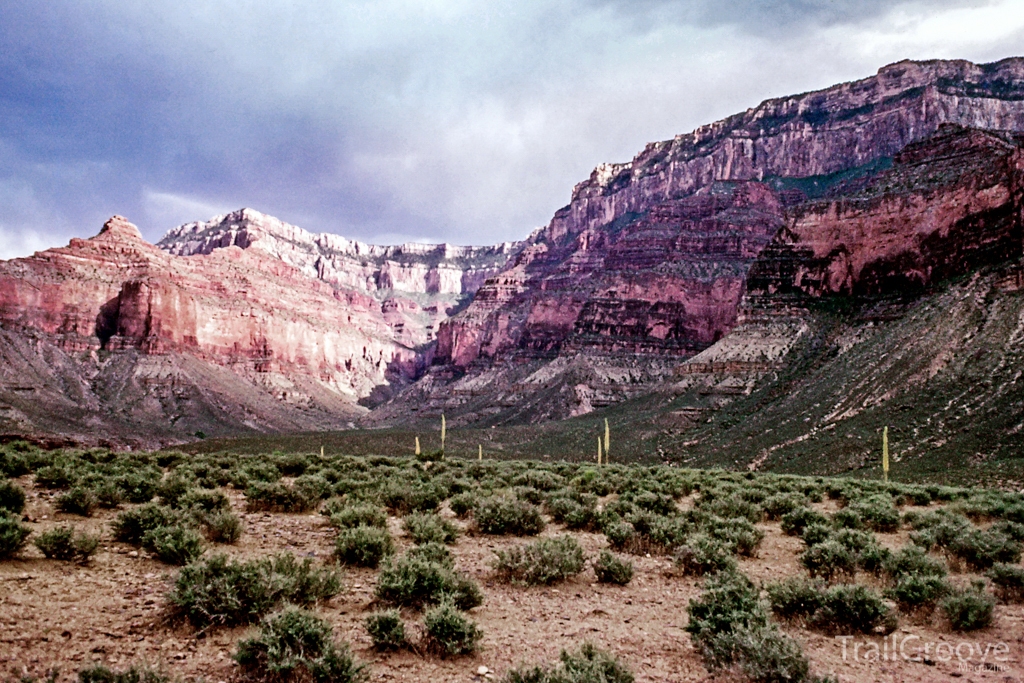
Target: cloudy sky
[393,120]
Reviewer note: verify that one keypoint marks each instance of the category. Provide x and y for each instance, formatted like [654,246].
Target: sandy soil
[55,614]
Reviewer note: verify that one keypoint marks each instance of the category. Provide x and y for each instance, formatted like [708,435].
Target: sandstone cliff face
[651,257]
[302,341]
[418,285]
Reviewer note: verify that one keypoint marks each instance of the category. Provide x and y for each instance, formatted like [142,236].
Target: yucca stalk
[885,453]
[443,430]
[599,449]
[480,454]
[607,441]
[417,445]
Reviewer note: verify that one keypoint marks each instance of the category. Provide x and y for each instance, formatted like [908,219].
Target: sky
[403,120]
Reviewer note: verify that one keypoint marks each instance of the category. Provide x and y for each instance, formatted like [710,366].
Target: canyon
[693,274]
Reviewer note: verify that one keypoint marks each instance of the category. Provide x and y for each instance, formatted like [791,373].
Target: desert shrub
[1012,530]
[529,494]
[296,645]
[783,503]
[252,471]
[204,500]
[78,501]
[828,559]
[448,632]
[60,475]
[403,497]
[658,503]
[12,498]
[386,629]
[851,608]
[363,514]
[363,546]
[221,527]
[702,554]
[620,534]
[134,674]
[462,504]
[427,528]
[108,495]
[139,486]
[312,487]
[12,535]
[217,591]
[540,480]
[794,597]
[587,664]
[912,560]
[1008,580]
[432,552]
[62,543]
[277,497]
[729,626]
[131,525]
[868,554]
[542,562]
[939,528]
[502,515]
[969,610]
[878,513]
[847,518]
[610,569]
[291,464]
[173,488]
[816,533]
[732,507]
[738,534]
[13,464]
[917,590]
[795,521]
[982,549]
[176,544]
[414,581]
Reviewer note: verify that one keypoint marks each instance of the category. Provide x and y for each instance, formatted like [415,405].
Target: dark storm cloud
[440,120]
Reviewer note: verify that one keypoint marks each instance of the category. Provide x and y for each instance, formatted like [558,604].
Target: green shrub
[783,503]
[221,527]
[131,525]
[217,591]
[462,504]
[982,549]
[386,629]
[912,560]
[542,562]
[447,631]
[432,552]
[277,497]
[138,487]
[312,487]
[204,501]
[587,664]
[795,597]
[868,554]
[403,497]
[176,545]
[816,533]
[879,513]
[763,654]
[61,543]
[917,590]
[78,501]
[173,488]
[847,518]
[702,554]
[852,608]
[829,559]
[502,515]
[610,569]
[363,546]
[794,522]
[1009,581]
[415,581]
[969,610]
[430,528]
[12,498]
[729,600]
[350,516]
[13,464]
[56,476]
[296,645]
[135,674]
[108,495]
[12,535]
[620,534]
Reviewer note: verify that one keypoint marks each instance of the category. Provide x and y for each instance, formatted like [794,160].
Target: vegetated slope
[648,264]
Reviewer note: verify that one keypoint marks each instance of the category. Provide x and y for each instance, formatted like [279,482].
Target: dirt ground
[60,615]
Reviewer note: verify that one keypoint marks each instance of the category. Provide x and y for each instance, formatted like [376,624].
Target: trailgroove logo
[969,656]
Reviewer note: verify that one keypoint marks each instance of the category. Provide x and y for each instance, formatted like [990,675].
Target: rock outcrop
[231,317]
[651,257]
